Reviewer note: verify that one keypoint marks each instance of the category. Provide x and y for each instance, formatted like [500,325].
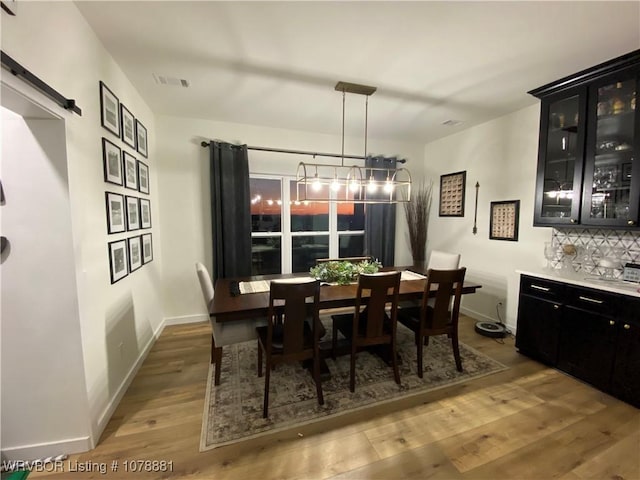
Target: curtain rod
[303,152]
[18,70]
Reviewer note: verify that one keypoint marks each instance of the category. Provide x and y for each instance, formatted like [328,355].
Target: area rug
[233,409]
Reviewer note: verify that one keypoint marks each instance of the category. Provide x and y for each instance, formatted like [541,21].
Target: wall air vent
[452,123]
[172,81]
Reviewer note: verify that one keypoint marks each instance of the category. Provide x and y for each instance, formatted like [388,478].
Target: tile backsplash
[627,241]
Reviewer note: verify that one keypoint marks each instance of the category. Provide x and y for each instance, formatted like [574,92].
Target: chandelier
[322,182]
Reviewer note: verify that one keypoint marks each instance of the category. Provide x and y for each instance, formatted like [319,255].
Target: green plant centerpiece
[343,272]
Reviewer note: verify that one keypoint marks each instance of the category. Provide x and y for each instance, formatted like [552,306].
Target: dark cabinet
[539,313]
[588,148]
[625,380]
[589,333]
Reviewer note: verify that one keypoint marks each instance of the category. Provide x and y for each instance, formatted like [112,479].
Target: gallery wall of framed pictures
[128,214]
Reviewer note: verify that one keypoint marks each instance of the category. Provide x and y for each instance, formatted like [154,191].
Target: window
[288,235]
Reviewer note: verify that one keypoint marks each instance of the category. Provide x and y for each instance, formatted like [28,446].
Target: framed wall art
[130,167]
[115,212]
[118,260]
[109,110]
[452,188]
[145,213]
[504,220]
[143,177]
[111,155]
[133,213]
[141,136]
[135,253]
[147,248]
[128,126]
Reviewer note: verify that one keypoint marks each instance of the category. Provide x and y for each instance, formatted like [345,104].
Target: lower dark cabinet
[591,334]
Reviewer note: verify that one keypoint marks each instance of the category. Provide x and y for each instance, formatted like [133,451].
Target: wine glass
[550,253]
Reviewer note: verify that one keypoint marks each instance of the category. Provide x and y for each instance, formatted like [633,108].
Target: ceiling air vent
[172,81]
[452,123]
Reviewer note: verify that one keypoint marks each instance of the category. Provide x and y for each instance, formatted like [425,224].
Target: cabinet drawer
[538,287]
[596,301]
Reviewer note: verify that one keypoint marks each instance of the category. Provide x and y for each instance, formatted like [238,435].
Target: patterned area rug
[233,409]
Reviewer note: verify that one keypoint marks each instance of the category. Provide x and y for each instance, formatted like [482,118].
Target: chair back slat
[449,284]
[290,304]
[378,286]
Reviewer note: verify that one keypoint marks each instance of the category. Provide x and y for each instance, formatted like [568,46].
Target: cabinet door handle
[538,287]
[631,223]
[612,322]
[573,220]
[556,306]
[626,326]
[592,300]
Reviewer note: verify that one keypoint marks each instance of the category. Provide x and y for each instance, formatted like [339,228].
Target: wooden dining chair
[288,336]
[372,326]
[439,317]
[223,334]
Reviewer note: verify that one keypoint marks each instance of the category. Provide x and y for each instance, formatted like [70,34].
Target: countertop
[585,280]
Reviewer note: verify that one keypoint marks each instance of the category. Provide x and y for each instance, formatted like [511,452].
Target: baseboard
[122,389]
[43,450]
[186,319]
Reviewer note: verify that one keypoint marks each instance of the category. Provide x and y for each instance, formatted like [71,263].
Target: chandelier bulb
[316,185]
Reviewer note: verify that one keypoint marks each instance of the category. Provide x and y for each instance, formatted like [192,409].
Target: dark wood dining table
[228,305]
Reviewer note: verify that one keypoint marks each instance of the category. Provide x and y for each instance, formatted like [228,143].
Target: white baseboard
[43,450]
[186,319]
[122,389]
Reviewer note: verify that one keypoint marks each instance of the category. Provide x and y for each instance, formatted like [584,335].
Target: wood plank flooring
[528,422]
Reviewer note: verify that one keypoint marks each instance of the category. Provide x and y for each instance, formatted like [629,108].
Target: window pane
[266,255]
[351,245]
[350,215]
[309,216]
[306,249]
[266,205]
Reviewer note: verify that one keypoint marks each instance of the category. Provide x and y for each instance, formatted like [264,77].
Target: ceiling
[276,63]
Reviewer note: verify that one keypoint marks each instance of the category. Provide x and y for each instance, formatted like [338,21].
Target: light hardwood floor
[528,422]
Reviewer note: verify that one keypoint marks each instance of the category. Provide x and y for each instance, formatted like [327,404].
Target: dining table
[230,304]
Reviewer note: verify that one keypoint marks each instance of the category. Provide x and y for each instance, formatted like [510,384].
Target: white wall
[184,186]
[117,322]
[41,345]
[502,156]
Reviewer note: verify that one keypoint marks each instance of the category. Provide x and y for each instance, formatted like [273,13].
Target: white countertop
[585,280]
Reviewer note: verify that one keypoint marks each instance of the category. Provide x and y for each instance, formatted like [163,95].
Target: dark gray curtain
[380,219]
[230,210]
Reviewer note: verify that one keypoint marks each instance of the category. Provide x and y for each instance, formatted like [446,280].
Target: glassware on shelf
[569,254]
[608,260]
[552,253]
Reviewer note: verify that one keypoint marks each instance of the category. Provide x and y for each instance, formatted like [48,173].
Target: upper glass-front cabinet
[588,171]
[561,159]
[611,169]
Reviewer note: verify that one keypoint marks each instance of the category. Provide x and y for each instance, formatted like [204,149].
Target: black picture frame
[111,155]
[130,170]
[128,126]
[109,110]
[141,139]
[147,248]
[504,220]
[145,213]
[116,212]
[118,260]
[143,177]
[452,193]
[133,213]
[135,253]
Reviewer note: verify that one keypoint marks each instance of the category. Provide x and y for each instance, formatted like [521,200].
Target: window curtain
[380,219]
[230,210]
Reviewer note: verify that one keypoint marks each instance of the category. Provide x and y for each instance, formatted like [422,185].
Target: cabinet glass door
[562,149]
[611,194]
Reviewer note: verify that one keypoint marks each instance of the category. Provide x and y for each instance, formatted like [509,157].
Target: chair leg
[316,377]
[456,350]
[267,375]
[420,354]
[216,361]
[334,339]
[394,362]
[352,375]
[259,359]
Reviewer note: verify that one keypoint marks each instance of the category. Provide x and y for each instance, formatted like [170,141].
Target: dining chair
[439,318]
[288,336]
[438,260]
[223,334]
[371,326]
